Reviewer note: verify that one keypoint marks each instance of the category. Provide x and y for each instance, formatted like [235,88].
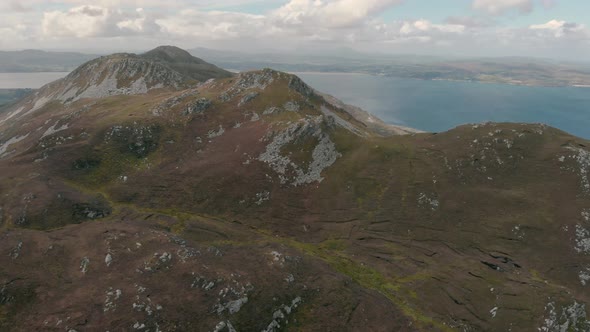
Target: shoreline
[444,79]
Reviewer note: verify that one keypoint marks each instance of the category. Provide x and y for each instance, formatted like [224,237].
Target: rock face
[124,74]
[254,203]
[323,156]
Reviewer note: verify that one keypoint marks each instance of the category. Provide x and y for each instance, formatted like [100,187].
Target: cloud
[95,21]
[469,21]
[18,31]
[421,27]
[334,14]
[214,25]
[17,6]
[498,7]
[293,24]
[297,20]
[560,29]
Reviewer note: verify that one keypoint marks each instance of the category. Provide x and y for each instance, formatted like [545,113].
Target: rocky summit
[139,195]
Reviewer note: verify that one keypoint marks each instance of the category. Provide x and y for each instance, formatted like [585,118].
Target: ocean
[437,106]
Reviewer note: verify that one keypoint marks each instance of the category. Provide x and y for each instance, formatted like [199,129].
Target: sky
[540,28]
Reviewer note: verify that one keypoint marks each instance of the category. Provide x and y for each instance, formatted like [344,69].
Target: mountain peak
[183,62]
[116,74]
[165,67]
[170,54]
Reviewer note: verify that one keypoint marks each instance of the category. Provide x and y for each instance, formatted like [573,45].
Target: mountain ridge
[122,74]
[261,204]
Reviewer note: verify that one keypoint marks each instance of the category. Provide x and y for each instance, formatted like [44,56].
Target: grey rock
[15,252]
[84,264]
[247,98]
[291,106]
[295,83]
[108,260]
[323,155]
[571,318]
[216,133]
[198,107]
[272,110]
[248,81]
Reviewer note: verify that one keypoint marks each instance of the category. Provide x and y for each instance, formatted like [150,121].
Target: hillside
[254,203]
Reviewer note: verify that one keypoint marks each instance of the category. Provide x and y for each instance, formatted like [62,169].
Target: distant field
[8,96]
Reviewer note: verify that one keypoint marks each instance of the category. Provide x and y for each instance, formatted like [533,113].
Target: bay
[437,106]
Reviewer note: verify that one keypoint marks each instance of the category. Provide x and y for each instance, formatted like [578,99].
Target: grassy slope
[368,219]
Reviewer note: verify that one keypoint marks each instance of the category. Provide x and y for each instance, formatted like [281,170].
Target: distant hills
[8,96]
[508,70]
[41,61]
[504,70]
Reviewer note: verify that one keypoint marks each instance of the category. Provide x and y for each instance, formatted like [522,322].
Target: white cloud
[214,25]
[497,7]
[17,32]
[298,20]
[470,21]
[561,28]
[95,21]
[551,25]
[334,13]
[424,26]
[310,24]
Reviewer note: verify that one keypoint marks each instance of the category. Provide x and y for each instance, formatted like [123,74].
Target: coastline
[524,84]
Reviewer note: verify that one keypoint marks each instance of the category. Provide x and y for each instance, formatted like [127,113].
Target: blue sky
[573,10]
[545,28]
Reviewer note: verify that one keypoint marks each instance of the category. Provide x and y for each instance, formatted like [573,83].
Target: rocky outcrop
[255,80]
[295,83]
[123,74]
[323,156]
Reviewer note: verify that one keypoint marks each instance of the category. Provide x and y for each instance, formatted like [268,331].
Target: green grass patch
[300,151]
[331,252]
